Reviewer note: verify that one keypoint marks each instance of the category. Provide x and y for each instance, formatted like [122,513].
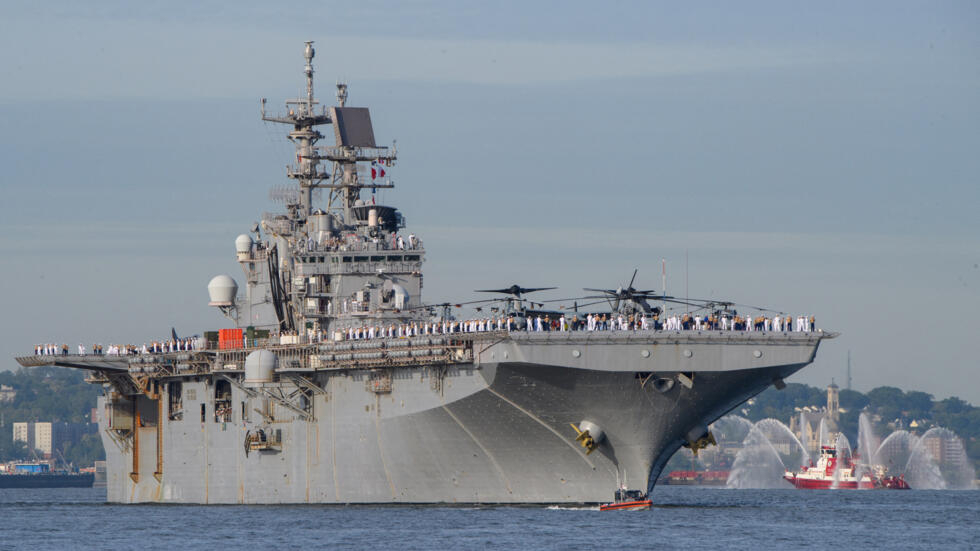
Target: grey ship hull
[492,431]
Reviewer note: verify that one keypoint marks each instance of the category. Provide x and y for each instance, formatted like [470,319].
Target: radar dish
[352,126]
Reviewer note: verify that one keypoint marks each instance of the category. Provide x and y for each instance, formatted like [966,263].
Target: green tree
[10,449]
[88,450]
[888,401]
[853,400]
[917,404]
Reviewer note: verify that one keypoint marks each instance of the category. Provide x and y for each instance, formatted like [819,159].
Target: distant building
[805,425]
[833,402]
[7,393]
[23,433]
[46,437]
[946,451]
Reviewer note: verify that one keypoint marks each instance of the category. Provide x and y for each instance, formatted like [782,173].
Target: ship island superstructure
[340,385]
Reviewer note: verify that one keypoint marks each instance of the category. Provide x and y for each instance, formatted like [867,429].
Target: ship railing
[373,267]
[342,355]
[305,173]
[277,225]
[256,256]
[348,153]
[360,268]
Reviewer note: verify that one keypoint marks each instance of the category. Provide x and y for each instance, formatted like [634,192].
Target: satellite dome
[243,243]
[260,367]
[222,290]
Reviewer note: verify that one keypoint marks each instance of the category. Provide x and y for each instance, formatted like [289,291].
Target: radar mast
[354,144]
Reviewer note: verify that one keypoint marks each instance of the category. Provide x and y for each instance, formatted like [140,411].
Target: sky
[816,159]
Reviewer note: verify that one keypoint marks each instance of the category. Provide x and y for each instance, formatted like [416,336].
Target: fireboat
[843,473]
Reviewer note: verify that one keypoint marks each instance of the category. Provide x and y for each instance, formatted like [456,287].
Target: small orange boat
[628,500]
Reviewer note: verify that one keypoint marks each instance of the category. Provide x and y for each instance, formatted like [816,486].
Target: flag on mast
[377,170]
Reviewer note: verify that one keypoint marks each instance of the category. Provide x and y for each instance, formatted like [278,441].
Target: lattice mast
[302,115]
[353,145]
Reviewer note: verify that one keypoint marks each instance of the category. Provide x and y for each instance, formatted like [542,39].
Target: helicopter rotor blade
[632,279]
[534,289]
[515,290]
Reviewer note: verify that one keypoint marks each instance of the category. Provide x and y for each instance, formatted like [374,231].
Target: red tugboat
[628,500]
[821,476]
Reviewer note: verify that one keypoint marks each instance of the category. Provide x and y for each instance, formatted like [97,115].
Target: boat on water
[339,384]
[839,470]
[40,475]
[696,478]
[628,500]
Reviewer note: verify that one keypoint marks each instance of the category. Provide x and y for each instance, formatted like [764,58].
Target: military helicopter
[629,301]
[514,303]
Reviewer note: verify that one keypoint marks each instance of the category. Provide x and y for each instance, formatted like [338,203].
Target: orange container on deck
[229,338]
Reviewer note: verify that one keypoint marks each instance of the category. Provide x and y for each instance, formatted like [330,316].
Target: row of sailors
[431,328]
[156,347]
[50,350]
[738,323]
[598,322]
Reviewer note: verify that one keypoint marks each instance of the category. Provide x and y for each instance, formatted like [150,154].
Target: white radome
[260,366]
[222,290]
[243,243]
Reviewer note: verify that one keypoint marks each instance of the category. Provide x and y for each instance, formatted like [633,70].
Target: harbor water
[682,518]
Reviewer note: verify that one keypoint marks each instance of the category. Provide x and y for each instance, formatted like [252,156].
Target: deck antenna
[663,284]
[848,370]
[308,70]
[341,93]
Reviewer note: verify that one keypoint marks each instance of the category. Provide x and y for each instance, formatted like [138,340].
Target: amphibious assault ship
[340,385]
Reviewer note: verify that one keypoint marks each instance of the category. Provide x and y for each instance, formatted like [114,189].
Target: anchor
[707,440]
